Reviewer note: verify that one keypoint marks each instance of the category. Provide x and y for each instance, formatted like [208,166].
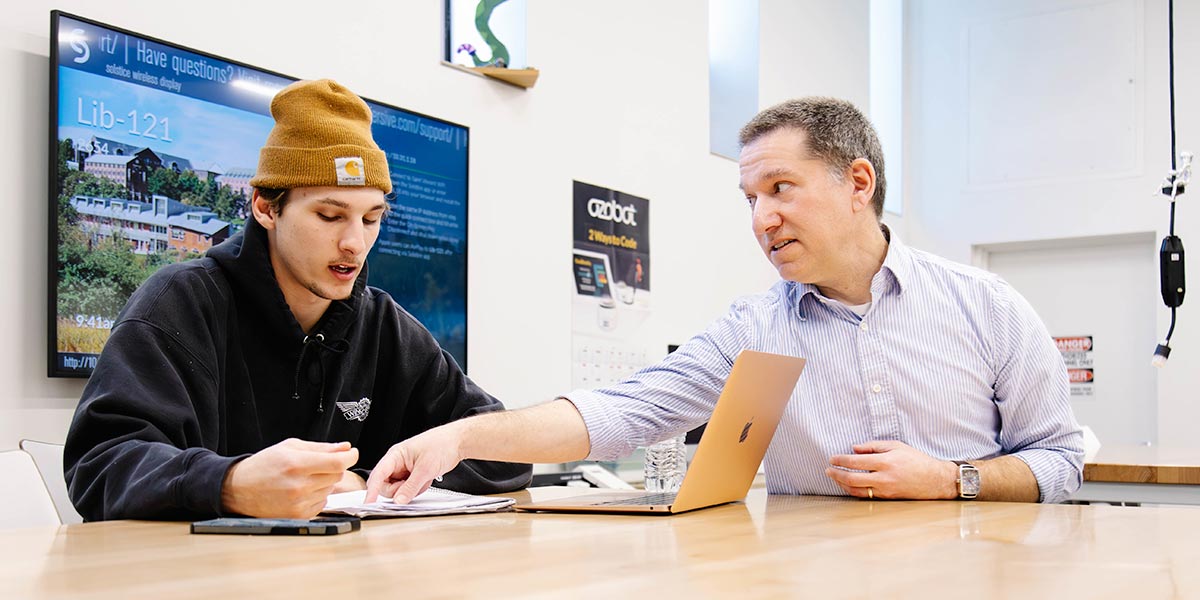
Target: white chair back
[49,460]
[24,501]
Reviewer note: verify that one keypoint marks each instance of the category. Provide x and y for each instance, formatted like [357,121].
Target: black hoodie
[206,365]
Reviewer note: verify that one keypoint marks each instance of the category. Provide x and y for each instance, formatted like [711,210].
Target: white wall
[813,47]
[1047,120]
[622,102]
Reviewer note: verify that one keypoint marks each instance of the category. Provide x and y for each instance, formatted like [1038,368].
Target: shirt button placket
[878,404]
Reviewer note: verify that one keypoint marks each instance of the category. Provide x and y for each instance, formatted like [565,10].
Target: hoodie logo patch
[355,411]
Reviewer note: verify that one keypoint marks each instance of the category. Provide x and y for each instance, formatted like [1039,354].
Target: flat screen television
[152,146]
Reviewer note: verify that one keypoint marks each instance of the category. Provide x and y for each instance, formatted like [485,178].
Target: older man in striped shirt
[919,369]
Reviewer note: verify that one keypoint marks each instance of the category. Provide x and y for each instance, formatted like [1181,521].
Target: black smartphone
[252,526]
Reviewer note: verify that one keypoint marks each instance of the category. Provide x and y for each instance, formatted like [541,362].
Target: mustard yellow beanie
[322,137]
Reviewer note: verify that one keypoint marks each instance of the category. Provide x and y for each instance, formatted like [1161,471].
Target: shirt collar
[898,262]
[893,275]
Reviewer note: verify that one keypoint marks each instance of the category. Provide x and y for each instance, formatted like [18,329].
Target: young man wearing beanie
[265,376]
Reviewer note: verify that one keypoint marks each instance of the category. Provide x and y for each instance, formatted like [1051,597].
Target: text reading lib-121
[146,124]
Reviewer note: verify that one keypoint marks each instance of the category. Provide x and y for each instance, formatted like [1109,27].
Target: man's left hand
[895,470]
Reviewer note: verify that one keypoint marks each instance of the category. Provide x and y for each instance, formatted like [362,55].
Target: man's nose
[765,215]
[353,239]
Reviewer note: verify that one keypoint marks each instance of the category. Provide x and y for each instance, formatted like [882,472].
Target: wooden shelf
[522,78]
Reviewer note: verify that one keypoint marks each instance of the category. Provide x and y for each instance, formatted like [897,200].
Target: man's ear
[862,176]
[262,211]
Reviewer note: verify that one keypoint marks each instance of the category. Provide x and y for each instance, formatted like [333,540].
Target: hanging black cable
[1170,253]
[1171,85]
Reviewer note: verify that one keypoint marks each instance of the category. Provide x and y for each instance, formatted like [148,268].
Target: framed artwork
[486,33]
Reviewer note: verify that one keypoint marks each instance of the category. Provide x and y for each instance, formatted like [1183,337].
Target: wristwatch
[968,480]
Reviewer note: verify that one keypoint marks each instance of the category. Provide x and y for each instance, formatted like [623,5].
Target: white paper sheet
[434,501]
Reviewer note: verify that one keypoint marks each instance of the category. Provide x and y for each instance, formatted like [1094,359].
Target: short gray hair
[837,132]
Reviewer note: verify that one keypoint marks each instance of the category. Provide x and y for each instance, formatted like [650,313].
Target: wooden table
[767,547]
[1142,474]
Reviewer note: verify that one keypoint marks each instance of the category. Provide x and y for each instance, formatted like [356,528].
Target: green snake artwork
[483,13]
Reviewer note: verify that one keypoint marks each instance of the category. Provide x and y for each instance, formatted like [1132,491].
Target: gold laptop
[733,445]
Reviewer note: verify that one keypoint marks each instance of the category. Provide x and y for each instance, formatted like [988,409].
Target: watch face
[968,481]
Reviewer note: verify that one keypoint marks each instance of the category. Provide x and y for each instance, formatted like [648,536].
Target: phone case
[253,526]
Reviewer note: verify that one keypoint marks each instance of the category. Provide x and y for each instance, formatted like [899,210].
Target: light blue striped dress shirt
[948,359]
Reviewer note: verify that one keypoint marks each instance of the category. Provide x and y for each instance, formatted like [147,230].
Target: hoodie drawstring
[317,340]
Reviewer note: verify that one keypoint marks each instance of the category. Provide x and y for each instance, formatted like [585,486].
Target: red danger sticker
[1081,343]
[1081,375]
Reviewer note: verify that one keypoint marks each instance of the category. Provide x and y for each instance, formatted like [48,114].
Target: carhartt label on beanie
[350,171]
[322,137]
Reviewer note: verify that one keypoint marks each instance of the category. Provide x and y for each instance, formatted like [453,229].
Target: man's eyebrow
[768,175]
[777,173]
[346,206]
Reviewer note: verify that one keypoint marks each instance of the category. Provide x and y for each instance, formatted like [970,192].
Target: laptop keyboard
[646,500]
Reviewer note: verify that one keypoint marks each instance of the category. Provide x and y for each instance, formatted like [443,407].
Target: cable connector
[1161,353]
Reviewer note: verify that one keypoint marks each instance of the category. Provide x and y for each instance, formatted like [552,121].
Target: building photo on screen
[152,149]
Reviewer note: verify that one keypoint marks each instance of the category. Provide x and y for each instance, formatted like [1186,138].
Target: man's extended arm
[671,397]
[548,433]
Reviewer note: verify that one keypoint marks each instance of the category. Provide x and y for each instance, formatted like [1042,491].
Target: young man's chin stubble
[323,294]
